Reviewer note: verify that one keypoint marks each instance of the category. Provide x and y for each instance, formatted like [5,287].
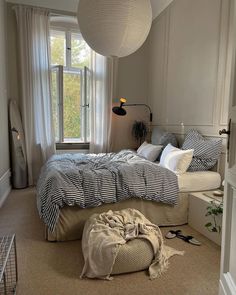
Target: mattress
[199,181]
[71,220]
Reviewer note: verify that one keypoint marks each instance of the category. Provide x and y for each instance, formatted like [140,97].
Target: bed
[123,180]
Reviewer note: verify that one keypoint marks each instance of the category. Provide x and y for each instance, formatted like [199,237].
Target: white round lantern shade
[115,27]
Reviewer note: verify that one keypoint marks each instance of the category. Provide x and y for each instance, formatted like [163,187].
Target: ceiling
[158,6]
[71,5]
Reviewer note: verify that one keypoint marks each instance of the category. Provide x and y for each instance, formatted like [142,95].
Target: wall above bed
[187,63]
[187,66]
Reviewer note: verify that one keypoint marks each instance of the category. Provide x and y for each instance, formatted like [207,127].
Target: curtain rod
[53,12]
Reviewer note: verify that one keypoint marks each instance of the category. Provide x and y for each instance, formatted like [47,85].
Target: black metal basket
[8,265]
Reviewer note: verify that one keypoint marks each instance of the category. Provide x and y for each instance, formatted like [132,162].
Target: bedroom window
[70,76]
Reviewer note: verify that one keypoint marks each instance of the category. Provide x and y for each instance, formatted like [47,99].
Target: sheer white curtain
[104,75]
[33,38]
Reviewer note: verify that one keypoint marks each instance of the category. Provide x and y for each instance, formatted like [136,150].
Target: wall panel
[158,66]
[192,61]
[187,66]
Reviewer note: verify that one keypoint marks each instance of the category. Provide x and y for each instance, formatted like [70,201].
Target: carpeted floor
[54,268]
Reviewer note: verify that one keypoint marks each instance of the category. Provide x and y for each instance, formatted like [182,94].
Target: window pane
[55,103]
[58,46]
[80,51]
[72,109]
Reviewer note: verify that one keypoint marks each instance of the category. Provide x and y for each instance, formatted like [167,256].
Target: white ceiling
[158,6]
[65,5]
[71,5]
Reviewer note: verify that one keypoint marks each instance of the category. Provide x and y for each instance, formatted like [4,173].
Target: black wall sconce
[120,111]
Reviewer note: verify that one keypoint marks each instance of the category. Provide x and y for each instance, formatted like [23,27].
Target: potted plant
[215,211]
[139,131]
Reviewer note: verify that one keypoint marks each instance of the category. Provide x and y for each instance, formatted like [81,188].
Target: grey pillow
[206,151]
[162,137]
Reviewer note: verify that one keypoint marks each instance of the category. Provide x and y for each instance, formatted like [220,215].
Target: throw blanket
[89,180]
[105,233]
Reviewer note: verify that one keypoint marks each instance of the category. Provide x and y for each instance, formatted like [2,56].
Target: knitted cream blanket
[104,234]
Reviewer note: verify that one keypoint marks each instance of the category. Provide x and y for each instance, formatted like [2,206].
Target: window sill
[72,146]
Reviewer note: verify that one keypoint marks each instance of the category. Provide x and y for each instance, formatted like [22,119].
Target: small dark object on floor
[177,233]
[189,239]
[172,234]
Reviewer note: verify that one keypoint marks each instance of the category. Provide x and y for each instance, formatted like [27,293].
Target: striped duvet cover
[90,180]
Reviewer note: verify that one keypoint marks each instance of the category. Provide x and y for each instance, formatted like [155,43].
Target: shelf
[211,195]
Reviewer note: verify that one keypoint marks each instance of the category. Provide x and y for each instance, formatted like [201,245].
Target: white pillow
[149,151]
[175,159]
[141,147]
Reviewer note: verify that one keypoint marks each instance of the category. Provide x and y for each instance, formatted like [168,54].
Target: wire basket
[8,265]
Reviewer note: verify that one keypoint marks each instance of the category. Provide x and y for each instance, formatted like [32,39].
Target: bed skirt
[72,219]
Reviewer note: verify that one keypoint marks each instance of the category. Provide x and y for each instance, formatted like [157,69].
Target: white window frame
[83,89]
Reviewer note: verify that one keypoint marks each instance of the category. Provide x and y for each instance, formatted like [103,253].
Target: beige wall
[187,64]
[132,76]
[133,85]
[4,146]
[187,60]
[179,71]
[4,153]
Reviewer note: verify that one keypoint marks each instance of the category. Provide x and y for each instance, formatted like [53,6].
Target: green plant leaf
[208,224]
[214,210]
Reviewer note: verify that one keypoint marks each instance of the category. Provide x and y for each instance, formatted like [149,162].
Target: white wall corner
[222,289]
[227,285]
[5,187]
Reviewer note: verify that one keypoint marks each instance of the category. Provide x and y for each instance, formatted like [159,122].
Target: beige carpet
[54,268]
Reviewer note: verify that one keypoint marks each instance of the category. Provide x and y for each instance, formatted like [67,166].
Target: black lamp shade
[119,111]
[122,112]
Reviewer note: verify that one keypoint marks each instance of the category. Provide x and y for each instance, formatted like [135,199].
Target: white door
[228,256]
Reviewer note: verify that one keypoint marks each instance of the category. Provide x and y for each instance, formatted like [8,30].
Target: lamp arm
[139,104]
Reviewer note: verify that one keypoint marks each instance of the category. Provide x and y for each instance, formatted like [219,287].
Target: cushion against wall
[206,151]
[149,151]
[161,137]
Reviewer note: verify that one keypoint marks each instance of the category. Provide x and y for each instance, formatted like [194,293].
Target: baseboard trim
[5,187]
[222,289]
[227,286]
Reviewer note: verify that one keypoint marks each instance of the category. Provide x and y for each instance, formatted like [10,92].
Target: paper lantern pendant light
[115,27]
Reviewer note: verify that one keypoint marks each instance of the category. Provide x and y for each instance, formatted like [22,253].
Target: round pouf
[114,27]
[133,256]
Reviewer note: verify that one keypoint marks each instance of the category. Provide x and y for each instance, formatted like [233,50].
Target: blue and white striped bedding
[89,180]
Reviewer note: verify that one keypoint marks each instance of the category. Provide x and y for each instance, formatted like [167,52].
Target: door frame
[227,285]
